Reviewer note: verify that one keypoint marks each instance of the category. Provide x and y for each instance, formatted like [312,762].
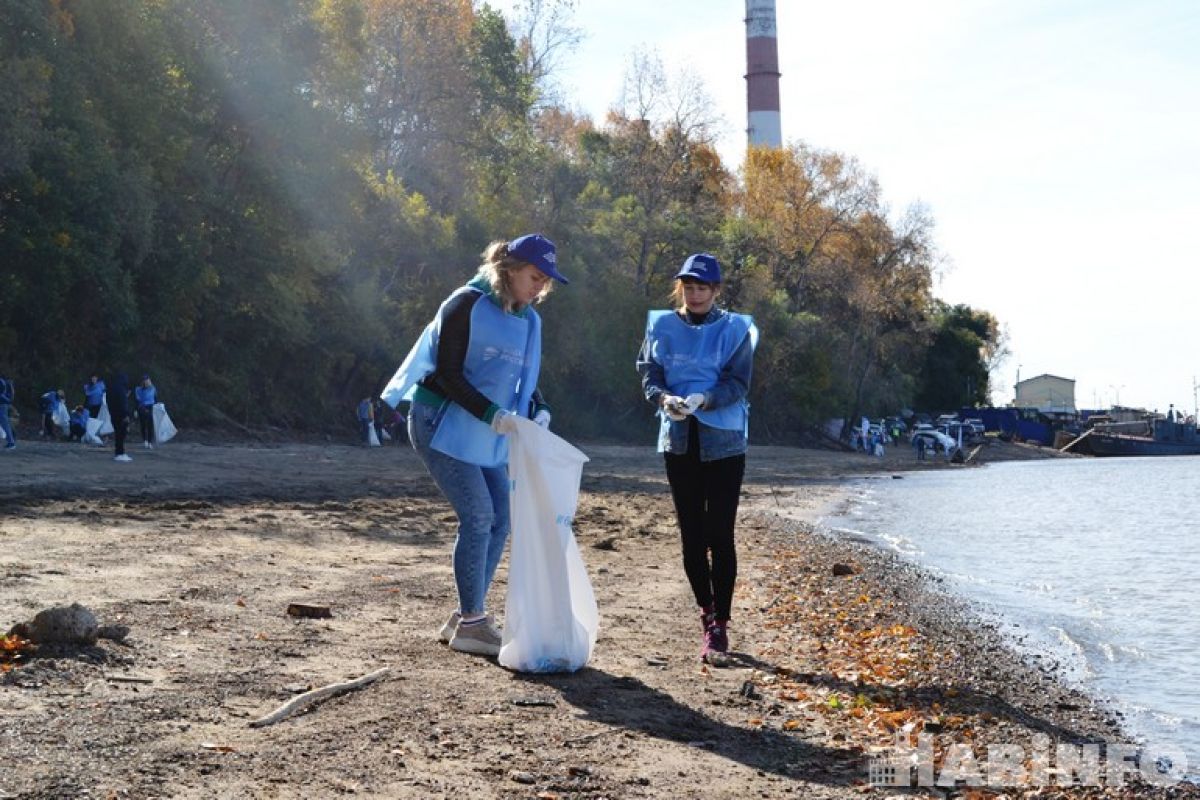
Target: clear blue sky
[1057,143]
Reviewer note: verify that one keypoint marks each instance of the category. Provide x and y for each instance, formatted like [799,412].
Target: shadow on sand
[629,704]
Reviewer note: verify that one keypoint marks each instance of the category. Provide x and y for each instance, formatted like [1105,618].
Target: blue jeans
[479,496]
[6,426]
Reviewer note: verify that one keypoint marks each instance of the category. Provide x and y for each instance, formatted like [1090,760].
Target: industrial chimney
[762,75]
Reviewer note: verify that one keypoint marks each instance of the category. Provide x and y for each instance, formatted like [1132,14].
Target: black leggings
[146,419]
[120,425]
[706,500]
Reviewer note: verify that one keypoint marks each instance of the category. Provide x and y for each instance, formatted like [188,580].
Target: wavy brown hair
[676,295]
[496,266]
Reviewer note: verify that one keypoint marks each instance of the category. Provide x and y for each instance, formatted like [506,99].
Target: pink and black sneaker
[716,644]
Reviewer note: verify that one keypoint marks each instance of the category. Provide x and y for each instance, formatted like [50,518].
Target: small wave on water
[1083,562]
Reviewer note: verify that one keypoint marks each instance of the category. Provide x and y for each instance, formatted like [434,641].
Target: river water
[1091,563]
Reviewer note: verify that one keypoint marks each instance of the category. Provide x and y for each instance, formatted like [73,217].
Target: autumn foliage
[13,650]
[262,203]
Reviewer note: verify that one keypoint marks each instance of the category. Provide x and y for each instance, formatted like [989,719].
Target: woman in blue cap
[475,366]
[147,396]
[695,365]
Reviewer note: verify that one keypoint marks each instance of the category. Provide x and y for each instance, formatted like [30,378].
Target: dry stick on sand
[589,737]
[315,696]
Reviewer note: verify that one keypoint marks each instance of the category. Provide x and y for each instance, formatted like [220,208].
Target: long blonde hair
[496,266]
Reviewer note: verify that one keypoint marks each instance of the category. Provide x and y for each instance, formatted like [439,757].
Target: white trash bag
[62,417]
[105,418]
[164,429]
[372,436]
[92,434]
[550,615]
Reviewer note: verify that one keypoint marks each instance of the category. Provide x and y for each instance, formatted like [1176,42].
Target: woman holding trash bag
[49,403]
[365,412]
[146,395]
[79,421]
[94,390]
[475,366]
[695,365]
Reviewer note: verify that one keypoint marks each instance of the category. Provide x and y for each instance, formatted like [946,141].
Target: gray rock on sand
[73,624]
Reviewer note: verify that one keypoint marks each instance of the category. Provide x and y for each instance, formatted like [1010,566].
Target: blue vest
[503,359]
[692,357]
[94,393]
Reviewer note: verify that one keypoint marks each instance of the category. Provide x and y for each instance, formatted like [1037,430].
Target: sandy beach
[198,549]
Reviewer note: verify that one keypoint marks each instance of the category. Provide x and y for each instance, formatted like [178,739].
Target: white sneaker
[482,639]
[122,457]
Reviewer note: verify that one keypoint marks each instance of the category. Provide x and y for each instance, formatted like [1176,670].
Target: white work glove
[675,407]
[504,423]
[693,402]
[542,417]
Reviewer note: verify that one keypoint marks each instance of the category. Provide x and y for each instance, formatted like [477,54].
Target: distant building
[1047,393]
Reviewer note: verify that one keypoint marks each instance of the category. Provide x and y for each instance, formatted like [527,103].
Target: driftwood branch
[589,737]
[314,696]
[128,679]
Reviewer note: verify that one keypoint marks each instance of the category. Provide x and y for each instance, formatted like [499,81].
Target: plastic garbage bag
[105,419]
[164,429]
[550,616]
[92,434]
[62,417]
[372,436]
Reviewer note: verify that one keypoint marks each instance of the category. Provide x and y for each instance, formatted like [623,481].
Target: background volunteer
[146,396]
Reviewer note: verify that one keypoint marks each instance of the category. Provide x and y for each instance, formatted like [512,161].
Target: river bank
[199,550]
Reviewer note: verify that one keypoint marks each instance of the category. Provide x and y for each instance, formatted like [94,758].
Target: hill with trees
[261,204]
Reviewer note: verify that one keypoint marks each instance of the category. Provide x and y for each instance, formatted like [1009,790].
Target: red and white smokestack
[762,74]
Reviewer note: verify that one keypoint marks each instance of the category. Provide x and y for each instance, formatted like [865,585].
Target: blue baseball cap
[701,267]
[533,248]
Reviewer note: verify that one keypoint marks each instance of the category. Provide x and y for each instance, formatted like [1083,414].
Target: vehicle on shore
[935,440]
[970,433]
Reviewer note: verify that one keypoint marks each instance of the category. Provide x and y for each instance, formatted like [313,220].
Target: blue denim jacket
[731,387]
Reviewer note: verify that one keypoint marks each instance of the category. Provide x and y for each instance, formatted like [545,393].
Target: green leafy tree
[955,368]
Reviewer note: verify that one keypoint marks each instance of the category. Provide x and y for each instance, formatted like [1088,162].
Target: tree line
[262,203]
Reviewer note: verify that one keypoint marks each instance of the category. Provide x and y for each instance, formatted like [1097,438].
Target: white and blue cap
[533,248]
[701,267]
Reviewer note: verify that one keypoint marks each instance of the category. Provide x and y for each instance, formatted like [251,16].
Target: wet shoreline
[1003,695]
